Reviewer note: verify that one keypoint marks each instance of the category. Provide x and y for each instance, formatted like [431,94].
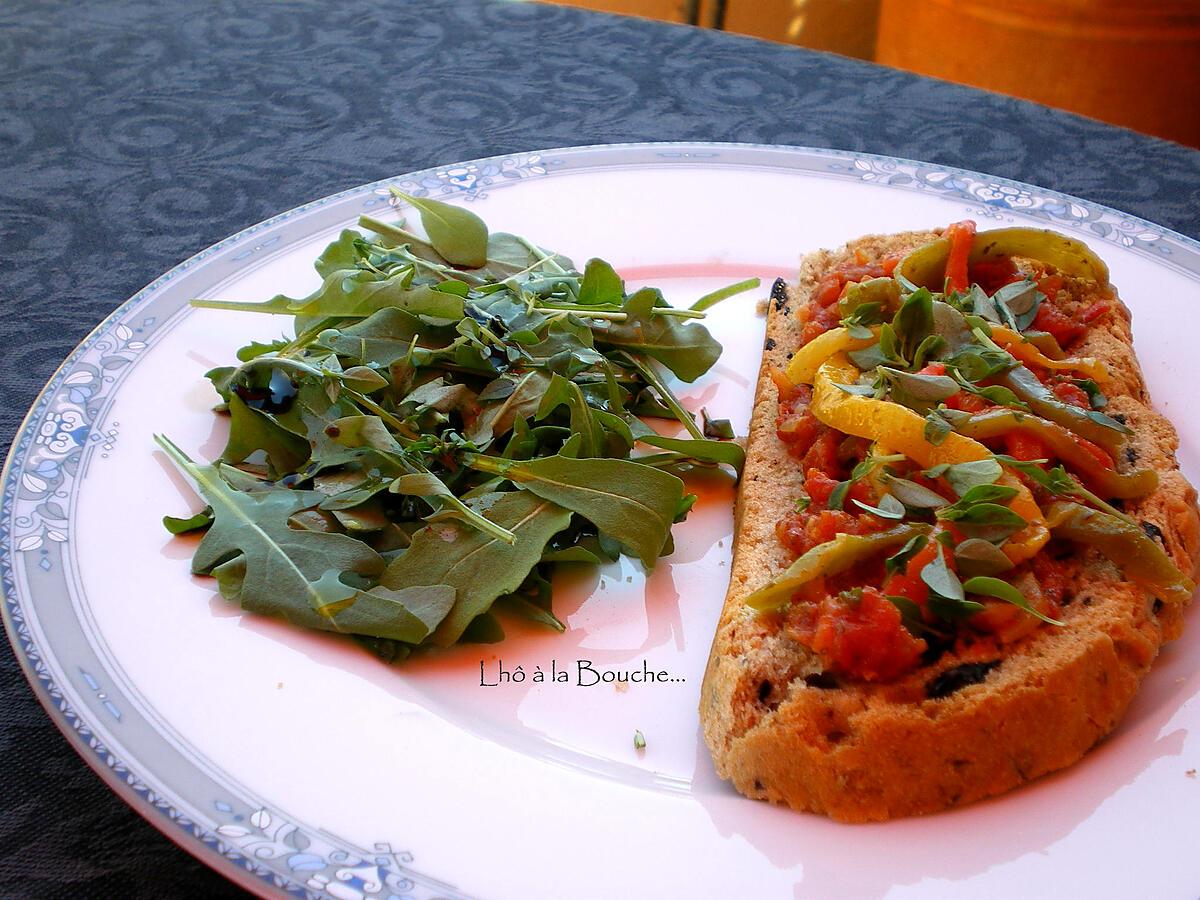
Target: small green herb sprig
[456,415]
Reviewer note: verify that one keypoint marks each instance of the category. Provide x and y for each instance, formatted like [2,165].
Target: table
[134,134]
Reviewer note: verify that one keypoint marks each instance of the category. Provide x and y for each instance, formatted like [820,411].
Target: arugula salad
[457,414]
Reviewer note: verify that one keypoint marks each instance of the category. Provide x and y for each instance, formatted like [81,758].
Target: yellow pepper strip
[926,266]
[1028,353]
[904,432]
[805,362]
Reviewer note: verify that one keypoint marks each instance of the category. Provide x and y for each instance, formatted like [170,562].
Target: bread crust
[870,752]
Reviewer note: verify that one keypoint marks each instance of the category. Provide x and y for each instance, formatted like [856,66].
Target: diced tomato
[1025,446]
[788,389]
[1053,320]
[1072,394]
[864,638]
[828,524]
[967,402]
[801,531]
[991,276]
[961,236]
[828,289]
[1095,311]
[1050,285]
[1095,451]
[824,319]
[799,429]
[908,583]
[823,454]
[819,486]
[855,272]
[934,368]
[1051,575]
[860,491]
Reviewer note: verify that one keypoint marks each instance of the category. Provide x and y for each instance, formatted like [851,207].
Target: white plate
[293,761]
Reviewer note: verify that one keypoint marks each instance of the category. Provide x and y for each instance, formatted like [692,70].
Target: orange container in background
[1131,62]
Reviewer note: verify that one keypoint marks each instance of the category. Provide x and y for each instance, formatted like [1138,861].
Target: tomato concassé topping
[950,447]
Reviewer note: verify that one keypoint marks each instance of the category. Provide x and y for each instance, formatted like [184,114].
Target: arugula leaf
[601,284]
[178,525]
[251,430]
[562,392]
[686,348]
[456,233]
[266,566]
[478,566]
[522,401]
[358,293]
[726,453]
[447,506]
[629,502]
[720,429]
[344,253]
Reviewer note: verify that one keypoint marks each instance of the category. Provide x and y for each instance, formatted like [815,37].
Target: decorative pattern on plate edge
[67,425]
[997,196]
[468,180]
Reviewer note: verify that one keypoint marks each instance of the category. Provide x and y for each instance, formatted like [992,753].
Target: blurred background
[1129,62]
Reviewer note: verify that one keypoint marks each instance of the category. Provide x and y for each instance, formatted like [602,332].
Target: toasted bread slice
[963,728]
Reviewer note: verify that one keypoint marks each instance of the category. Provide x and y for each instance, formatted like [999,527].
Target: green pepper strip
[1046,343]
[838,555]
[926,265]
[1141,559]
[999,422]
[1092,426]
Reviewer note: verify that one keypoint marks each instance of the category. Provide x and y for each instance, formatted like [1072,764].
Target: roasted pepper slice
[926,266]
[1064,445]
[1142,560]
[903,431]
[1096,427]
[884,291]
[805,361]
[1027,352]
[838,555]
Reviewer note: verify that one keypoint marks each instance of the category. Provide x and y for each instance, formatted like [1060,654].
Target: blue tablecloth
[134,134]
